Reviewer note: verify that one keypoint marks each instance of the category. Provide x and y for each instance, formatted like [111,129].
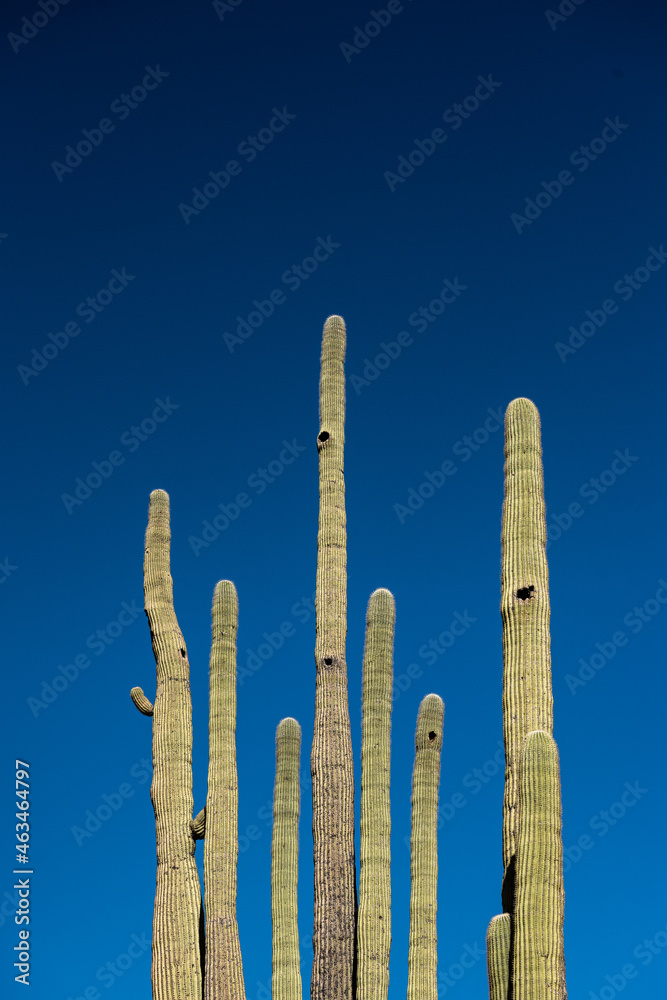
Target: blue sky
[189,191]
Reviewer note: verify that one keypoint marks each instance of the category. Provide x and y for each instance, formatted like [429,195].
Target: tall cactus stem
[176,965]
[525,610]
[334,910]
[286,979]
[498,950]
[538,964]
[224,970]
[374,918]
[423,940]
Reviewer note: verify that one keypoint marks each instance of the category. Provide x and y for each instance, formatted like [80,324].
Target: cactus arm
[525,610]
[176,966]
[224,970]
[423,941]
[538,964]
[498,950]
[374,918]
[286,979]
[140,700]
[334,910]
[198,825]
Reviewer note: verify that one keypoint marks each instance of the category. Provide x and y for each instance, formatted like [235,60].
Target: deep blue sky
[328,180]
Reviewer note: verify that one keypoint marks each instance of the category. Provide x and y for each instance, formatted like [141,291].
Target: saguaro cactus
[286,981]
[374,917]
[176,968]
[532,967]
[423,949]
[331,756]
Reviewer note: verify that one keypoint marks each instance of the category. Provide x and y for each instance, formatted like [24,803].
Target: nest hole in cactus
[431,736]
[324,436]
[525,592]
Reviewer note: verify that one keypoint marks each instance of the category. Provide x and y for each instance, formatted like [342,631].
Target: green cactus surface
[538,963]
[525,610]
[334,917]
[224,971]
[374,917]
[423,940]
[286,979]
[498,941]
[176,967]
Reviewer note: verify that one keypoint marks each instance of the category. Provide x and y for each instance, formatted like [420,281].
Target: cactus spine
[334,921]
[532,891]
[423,947]
[374,918]
[286,980]
[176,967]
[224,971]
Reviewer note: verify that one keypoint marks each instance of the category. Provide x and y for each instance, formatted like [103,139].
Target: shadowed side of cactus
[224,969]
[286,979]
[176,966]
[334,910]
[525,610]
[374,917]
[498,944]
[538,965]
[423,942]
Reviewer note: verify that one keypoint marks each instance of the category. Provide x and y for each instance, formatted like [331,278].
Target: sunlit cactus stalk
[498,940]
[538,968]
[334,916]
[525,609]
[374,917]
[223,968]
[176,967]
[286,979]
[423,940]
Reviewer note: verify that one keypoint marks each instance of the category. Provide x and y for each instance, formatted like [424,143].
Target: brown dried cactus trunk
[334,918]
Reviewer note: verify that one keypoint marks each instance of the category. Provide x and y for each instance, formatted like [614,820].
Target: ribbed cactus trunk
[286,979]
[423,941]
[526,959]
[374,918]
[176,968]
[525,609]
[334,919]
[538,971]
[224,971]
